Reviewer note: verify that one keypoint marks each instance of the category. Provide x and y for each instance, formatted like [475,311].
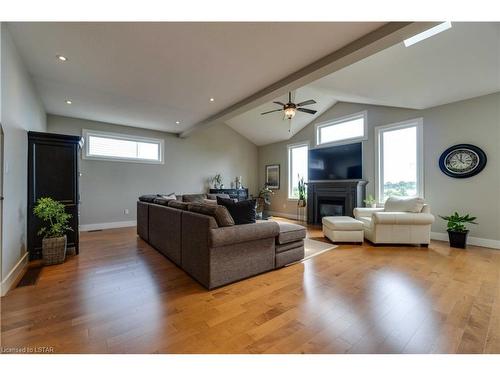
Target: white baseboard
[15,274]
[116,224]
[286,215]
[476,241]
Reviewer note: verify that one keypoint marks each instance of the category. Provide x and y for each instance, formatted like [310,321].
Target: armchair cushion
[397,204]
[402,218]
[365,212]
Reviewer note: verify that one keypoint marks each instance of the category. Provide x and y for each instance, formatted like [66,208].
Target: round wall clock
[462,161]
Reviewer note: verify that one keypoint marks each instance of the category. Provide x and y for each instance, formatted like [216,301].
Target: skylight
[427,33]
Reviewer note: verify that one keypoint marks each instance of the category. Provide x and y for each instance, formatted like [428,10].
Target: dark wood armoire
[53,172]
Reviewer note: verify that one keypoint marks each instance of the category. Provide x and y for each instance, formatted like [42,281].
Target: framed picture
[273,176]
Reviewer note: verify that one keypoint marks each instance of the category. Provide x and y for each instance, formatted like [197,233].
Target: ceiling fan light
[290,113]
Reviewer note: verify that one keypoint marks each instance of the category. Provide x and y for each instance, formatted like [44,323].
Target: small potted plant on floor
[263,201]
[457,231]
[302,193]
[55,225]
[370,201]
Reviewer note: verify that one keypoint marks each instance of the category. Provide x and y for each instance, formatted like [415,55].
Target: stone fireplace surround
[333,198]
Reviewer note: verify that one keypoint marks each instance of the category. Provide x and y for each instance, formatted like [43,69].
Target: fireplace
[333,198]
[330,207]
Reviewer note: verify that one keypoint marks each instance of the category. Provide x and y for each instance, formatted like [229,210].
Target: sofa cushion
[243,233]
[290,233]
[398,204]
[243,212]
[194,198]
[289,246]
[220,213]
[178,205]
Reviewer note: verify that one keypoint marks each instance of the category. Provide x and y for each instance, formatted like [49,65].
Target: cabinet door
[53,173]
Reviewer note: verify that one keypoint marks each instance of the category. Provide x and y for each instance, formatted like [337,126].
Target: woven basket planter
[54,250]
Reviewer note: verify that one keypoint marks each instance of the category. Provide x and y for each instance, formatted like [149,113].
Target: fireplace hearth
[333,198]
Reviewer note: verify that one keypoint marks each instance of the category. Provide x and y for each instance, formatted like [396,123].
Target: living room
[343,200]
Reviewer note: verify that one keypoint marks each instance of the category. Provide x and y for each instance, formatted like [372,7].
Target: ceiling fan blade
[279,103]
[310,111]
[307,102]
[275,110]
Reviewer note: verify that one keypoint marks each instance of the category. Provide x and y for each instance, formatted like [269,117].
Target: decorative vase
[301,203]
[373,205]
[54,250]
[458,239]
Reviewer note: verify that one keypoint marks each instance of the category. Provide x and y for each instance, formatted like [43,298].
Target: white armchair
[382,227]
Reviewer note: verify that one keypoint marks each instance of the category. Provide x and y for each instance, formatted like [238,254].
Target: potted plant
[370,201]
[302,193]
[457,231]
[263,200]
[55,225]
[217,181]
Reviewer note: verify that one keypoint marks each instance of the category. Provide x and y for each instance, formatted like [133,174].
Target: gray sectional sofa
[214,255]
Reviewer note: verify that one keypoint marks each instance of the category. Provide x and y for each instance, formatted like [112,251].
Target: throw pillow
[220,213]
[396,204]
[148,198]
[167,196]
[214,196]
[243,212]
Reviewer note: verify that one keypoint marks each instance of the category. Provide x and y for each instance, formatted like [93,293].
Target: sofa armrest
[242,233]
[366,212]
[402,218]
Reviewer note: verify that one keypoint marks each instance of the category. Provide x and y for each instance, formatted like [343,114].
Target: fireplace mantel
[350,192]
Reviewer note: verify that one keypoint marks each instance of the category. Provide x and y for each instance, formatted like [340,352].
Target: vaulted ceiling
[151,75]
[460,63]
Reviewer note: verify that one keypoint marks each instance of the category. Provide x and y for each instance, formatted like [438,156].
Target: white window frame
[338,121]
[289,153]
[379,160]
[86,133]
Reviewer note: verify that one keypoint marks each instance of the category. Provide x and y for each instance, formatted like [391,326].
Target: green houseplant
[302,192]
[457,230]
[217,181]
[263,200]
[54,227]
[370,201]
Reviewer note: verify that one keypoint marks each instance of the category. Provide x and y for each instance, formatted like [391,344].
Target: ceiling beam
[369,44]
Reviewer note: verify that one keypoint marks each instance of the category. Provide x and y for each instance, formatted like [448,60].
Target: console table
[240,194]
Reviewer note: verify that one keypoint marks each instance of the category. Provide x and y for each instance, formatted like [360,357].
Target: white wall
[109,187]
[475,121]
[22,110]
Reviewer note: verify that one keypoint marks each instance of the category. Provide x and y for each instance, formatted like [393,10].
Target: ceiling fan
[290,109]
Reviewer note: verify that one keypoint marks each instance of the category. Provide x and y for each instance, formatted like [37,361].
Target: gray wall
[22,110]
[107,187]
[475,121]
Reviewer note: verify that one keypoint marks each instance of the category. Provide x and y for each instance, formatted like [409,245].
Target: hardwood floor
[121,296]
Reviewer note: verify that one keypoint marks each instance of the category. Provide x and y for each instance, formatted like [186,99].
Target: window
[399,160]
[297,168]
[343,130]
[121,147]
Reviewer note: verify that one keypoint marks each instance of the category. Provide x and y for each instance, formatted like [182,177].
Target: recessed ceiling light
[177,122]
[69,102]
[427,33]
[62,58]
[212,99]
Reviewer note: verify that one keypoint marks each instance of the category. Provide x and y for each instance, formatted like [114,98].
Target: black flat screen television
[336,163]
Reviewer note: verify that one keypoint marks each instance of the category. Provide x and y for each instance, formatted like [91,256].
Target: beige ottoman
[342,229]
